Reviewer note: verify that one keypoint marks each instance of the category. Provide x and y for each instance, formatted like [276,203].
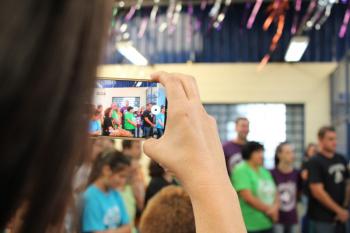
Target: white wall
[305,83]
[106,99]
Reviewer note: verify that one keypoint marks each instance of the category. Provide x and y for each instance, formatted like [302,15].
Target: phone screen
[128,109]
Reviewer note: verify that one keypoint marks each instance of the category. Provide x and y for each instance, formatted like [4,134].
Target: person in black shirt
[148,121]
[159,179]
[107,122]
[328,176]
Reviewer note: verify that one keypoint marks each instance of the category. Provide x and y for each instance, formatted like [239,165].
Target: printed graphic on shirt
[337,170]
[266,191]
[234,160]
[112,217]
[287,193]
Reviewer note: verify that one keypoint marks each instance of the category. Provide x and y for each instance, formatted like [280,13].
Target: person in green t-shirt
[116,116]
[130,120]
[256,190]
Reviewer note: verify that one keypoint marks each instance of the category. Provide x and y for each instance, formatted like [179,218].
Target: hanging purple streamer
[143,27]
[247,7]
[190,27]
[308,14]
[345,24]
[130,14]
[204,4]
[255,11]
[296,16]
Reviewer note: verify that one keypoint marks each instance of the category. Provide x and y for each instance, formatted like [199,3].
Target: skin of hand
[192,136]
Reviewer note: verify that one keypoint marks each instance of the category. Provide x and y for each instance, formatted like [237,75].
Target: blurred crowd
[127,121]
[111,194]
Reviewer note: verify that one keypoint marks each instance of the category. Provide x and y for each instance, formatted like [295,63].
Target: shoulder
[341,158]
[241,167]
[90,192]
[116,194]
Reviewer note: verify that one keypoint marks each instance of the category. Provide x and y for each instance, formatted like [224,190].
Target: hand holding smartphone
[128,109]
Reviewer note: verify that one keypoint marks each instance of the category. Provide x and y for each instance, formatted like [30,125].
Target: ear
[106,171]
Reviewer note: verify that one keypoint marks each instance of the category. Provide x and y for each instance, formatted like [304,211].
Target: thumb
[149,147]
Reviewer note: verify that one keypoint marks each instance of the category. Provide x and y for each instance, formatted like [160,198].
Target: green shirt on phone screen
[129,116]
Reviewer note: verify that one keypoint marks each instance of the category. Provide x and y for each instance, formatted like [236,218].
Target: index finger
[174,89]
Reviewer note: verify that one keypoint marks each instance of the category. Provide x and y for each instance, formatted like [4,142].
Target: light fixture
[296,48]
[131,53]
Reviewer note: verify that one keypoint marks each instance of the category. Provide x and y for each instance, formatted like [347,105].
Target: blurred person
[134,192]
[125,107]
[104,209]
[232,149]
[95,128]
[116,116]
[130,121]
[328,177]
[159,179]
[256,190]
[148,121]
[169,211]
[108,127]
[310,151]
[160,122]
[138,116]
[288,182]
[100,109]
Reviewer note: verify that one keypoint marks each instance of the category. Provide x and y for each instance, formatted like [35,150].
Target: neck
[100,184]
[285,167]
[252,165]
[327,154]
[240,141]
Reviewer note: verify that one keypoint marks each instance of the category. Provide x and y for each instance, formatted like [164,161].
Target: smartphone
[128,109]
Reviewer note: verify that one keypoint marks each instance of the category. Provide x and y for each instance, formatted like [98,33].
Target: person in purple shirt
[232,149]
[125,107]
[288,182]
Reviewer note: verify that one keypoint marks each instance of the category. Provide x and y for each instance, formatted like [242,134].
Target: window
[270,124]
[133,101]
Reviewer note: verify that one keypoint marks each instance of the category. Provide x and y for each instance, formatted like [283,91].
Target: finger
[190,86]
[173,86]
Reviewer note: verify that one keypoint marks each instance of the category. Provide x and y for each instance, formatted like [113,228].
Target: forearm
[148,121]
[323,197]
[257,204]
[139,194]
[212,205]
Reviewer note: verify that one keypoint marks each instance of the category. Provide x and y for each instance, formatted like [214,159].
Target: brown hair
[241,119]
[50,51]
[324,130]
[168,211]
[108,111]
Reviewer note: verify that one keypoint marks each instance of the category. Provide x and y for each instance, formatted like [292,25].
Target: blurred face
[329,142]
[120,178]
[126,103]
[257,158]
[242,129]
[287,154]
[135,151]
[114,106]
[312,150]
[163,110]
[149,107]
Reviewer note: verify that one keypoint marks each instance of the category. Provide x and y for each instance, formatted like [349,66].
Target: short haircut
[168,211]
[325,129]
[249,148]
[96,112]
[155,170]
[130,108]
[241,119]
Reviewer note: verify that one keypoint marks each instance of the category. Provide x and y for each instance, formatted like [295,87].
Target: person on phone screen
[130,120]
[160,122]
[116,115]
[328,180]
[95,128]
[148,123]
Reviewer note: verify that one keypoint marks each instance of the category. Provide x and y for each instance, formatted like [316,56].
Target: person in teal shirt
[160,122]
[130,120]
[103,207]
[256,190]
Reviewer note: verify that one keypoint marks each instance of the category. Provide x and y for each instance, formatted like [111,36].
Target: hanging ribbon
[247,7]
[143,27]
[345,23]
[323,19]
[297,9]
[307,16]
[221,16]
[277,12]
[204,4]
[154,12]
[254,13]
[175,17]
[190,27]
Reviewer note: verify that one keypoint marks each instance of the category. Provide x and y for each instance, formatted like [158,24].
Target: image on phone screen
[128,109]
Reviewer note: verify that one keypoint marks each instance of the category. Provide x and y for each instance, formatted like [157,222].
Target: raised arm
[198,160]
